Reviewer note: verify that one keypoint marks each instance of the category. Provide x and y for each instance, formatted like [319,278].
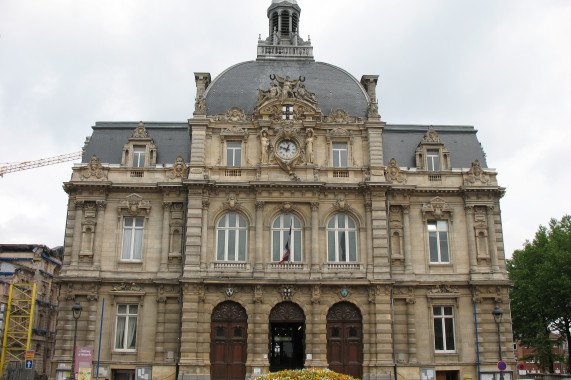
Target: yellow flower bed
[305,374]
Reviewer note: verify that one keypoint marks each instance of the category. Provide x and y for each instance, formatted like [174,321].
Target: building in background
[528,362]
[40,265]
[285,225]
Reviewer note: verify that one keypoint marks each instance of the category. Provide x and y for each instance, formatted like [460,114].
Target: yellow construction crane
[37,163]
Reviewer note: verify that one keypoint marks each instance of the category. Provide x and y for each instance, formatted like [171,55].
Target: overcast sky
[503,66]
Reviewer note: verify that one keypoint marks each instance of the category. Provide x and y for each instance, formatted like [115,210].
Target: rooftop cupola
[283,41]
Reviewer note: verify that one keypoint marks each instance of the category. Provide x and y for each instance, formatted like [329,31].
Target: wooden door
[228,351]
[345,340]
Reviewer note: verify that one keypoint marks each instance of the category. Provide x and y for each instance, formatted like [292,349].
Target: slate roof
[334,87]
[108,138]
[400,142]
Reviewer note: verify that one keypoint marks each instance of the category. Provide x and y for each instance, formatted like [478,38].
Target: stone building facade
[285,225]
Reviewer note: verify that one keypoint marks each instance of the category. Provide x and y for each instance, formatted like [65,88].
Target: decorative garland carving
[394,174]
[231,202]
[126,287]
[94,170]
[339,116]
[443,289]
[234,114]
[476,174]
[316,294]
[233,131]
[258,293]
[178,170]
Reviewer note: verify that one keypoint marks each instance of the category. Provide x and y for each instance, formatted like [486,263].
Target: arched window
[231,238]
[294,23]
[280,236]
[275,22]
[341,239]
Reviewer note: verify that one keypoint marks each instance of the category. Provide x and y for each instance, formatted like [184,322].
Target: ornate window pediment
[431,155]
[134,205]
[141,150]
[437,209]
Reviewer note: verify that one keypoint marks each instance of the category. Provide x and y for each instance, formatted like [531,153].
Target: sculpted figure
[271,93]
[309,146]
[303,94]
[287,85]
[265,146]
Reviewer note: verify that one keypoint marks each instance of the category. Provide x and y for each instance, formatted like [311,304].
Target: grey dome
[333,87]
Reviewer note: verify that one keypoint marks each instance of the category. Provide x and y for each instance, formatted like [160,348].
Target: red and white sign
[502,366]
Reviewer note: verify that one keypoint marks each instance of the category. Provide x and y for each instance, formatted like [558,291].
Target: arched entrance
[345,339]
[228,337]
[287,337]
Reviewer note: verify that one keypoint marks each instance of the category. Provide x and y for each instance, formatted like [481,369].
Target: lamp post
[76,309]
[498,313]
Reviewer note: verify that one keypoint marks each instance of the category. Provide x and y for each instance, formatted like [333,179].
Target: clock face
[287,149]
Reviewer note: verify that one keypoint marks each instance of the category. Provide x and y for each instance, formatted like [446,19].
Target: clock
[287,149]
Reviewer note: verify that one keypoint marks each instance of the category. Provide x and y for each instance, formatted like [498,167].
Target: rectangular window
[438,241]
[444,328]
[287,112]
[340,155]
[433,160]
[126,328]
[133,238]
[139,153]
[233,153]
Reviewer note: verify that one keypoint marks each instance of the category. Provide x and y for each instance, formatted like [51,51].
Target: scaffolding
[18,327]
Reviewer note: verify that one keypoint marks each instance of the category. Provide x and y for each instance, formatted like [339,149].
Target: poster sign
[83,358]
[84,373]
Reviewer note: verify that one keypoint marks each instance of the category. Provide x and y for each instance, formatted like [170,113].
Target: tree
[541,295]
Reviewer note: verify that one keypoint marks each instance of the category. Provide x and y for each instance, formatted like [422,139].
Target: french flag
[287,249]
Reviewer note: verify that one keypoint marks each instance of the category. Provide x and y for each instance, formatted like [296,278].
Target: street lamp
[498,314]
[76,309]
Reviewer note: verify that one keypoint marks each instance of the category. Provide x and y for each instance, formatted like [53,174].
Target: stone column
[98,234]
[492,239]
[76,246]
[314,257]
[471,238]
[259,261]
[165,237]
[406,237]
[204,234]
[369,227]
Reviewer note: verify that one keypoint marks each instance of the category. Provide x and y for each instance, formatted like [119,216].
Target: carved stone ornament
[127,287]
[316,294]
[443,289]
[200,105]
[476,174]
[431,137]
[437,208]
[135,205]
[480,293]
[234,114]
[287,292]
[229,291]
[231,202]
[178,170]
[258,293]
[140,132]
[286,89]
[233,131]
[373,110]
[94,170]
[344,311]
[394,174]
[339,116]
[342,204]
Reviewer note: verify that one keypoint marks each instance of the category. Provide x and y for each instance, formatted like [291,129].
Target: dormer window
[139,154]
[431,155]
[287,112]
[140,151]
[433,160]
